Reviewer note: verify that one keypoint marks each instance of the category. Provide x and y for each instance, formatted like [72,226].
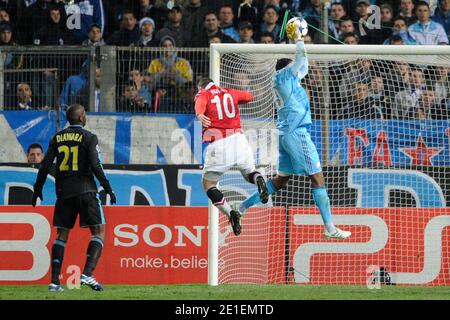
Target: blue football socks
[322,201]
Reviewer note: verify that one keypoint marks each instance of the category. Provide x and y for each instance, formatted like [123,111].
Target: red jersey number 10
[227,106]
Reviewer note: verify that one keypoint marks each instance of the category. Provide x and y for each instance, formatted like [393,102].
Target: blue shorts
[297,154]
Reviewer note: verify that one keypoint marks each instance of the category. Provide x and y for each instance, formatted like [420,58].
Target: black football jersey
[77,161]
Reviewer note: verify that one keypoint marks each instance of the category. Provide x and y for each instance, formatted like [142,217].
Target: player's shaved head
[76,115]
[281,63]
[203,82]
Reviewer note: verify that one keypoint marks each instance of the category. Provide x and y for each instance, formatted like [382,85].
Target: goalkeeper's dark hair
[203,82]
[281,63]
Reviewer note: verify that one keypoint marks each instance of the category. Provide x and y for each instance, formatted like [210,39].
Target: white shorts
[223,154]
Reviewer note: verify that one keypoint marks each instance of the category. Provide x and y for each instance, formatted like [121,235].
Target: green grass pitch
[227,292]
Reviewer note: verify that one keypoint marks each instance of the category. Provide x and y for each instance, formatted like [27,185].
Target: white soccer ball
[296,28]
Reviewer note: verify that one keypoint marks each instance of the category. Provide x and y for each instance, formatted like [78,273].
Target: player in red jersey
[217,110]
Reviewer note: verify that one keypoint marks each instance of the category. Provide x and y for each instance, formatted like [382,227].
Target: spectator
[314,85]
[211,27]
[246,32]
[387,16]
[395,40]
[280,5]
[429,108]
[226,18]
[337,12]
[241,80]
[433,5]
[405,75]
[54,32]
[420,113]
[405,101]
[350,38]
[175,28]
[24,97]
[445,107]
[426,31]
[366,36]
[143,91]
[147,39]
[441,83]
[400,29]
[375,35]
[168,3]
[83,96]
[194,17]
[11,61]
[362,106]
[147,9]
[407,11]
[307,39]
[442,16]
[91,12]
[130,101]
[378,95]
[95,37]
[128,33]
[72,86]
[214,39]
[34,15]
[387,13]
[266,37]
[172,73]
[6,35]
[9,5]
[270,19]
[346,25]
[361,9]
[312,14]
[359,70]
[248,11]
[4,15]
[114,11]
[35,153]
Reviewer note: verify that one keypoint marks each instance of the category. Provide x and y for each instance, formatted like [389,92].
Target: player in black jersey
[77,161]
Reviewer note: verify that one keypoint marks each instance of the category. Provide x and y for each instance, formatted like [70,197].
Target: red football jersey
[221,106]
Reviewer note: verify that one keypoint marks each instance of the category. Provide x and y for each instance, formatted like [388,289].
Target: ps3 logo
[432,246]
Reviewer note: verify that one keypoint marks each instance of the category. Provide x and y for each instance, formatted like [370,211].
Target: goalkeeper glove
[293,33]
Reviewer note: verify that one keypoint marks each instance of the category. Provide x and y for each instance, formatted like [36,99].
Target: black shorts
[86,204]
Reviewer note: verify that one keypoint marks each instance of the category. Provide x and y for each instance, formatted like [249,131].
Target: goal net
[381,128]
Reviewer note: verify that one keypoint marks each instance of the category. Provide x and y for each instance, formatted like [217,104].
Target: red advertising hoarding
[165,245]
[412,244]
[143,245]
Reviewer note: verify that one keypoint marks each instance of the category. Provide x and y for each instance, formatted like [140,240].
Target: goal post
[380,122]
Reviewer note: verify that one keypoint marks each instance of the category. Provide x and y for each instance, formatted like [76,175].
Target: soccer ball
[296,28]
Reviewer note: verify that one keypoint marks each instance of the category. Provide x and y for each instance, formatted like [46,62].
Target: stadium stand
[136,30]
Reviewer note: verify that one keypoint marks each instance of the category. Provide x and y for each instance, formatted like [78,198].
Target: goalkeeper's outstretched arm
[300,65]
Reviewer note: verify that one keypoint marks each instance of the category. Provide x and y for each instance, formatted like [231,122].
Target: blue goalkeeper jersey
[295,110]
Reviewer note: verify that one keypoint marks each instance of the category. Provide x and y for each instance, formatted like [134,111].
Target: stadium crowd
[167,78]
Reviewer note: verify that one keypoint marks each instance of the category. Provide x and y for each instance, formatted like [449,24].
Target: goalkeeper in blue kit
[297,152]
